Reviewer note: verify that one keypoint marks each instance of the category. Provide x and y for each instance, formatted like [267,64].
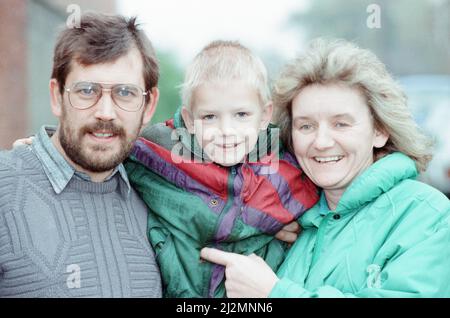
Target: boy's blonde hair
[339,61]
[223,61]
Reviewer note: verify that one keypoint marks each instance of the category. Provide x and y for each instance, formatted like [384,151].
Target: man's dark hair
[101,39]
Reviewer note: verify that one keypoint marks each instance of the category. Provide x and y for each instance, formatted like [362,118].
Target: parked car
[429,100]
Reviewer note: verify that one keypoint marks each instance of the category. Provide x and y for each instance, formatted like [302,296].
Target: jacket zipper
[230,190]
[226,208]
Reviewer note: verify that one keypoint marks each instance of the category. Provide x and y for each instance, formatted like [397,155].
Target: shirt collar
[58,171]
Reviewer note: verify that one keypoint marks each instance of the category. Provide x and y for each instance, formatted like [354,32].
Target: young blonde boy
[215,175]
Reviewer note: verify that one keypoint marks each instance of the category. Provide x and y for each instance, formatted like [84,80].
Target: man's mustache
[103,126]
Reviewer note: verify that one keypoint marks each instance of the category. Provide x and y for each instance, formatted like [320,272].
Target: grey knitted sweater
[87,241]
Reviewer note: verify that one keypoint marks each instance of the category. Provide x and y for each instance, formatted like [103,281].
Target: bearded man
[70,223]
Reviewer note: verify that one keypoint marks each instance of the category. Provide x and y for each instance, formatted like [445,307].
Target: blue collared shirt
[59,172]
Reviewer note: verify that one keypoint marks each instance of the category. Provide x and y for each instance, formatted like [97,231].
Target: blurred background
[412,37]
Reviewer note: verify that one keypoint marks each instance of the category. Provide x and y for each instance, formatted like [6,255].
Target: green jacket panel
[391,239]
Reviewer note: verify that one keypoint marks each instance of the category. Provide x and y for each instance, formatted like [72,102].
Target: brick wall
[28,29]
[13,60]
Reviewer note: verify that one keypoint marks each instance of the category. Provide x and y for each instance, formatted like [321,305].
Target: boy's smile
[225,119]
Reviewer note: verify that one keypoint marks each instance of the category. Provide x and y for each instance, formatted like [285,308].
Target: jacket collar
[379,178]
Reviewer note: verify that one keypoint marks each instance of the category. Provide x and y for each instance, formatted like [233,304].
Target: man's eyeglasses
[83,95]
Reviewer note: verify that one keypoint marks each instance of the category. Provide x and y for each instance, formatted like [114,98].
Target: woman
[376,231]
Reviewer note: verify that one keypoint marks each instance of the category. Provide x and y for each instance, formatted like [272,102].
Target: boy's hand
[289,233]
[23,141]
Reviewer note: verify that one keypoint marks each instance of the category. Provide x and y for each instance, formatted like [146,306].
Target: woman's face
[333,134]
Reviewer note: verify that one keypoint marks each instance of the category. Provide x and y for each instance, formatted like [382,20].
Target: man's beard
[71,142]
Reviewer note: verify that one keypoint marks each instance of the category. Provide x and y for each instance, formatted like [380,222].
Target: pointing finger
[217,256]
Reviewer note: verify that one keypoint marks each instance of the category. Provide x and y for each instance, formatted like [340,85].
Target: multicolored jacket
[194,204]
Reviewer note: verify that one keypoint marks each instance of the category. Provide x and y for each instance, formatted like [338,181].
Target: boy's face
[225,119]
